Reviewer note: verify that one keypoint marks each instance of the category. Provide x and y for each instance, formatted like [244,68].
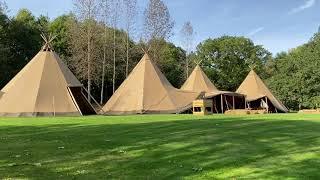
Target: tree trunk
[114,61]
[187,68]
[103,74]
[89,66]
[103,66]
[127,65]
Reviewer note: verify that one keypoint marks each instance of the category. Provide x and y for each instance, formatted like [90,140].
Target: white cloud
[255,31]
[306,5]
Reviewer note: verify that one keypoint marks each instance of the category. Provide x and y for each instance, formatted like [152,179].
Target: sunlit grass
[161,147]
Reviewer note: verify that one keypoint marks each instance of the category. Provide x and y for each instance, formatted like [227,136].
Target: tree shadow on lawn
[219,148]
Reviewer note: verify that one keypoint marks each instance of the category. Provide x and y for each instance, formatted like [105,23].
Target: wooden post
[54,109]
[221,103]
[233,107]
[267,105]
[245,104]
[215,104]
[212,105]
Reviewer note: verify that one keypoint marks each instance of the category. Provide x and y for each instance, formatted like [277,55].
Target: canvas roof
[198,81]
[146,90]
[254,88]
[40,88]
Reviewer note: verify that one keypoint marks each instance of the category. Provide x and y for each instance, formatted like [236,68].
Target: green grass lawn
[283,146]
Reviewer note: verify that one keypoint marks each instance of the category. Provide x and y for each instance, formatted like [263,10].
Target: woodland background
[101,42]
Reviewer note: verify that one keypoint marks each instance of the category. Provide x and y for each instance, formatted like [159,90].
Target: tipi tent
[146,90]
[198,82]
[44,87]
[258,95]
[222,100]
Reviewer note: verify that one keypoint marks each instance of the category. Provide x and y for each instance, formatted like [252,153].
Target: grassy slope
[161,147]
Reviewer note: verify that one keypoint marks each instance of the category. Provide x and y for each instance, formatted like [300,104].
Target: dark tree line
[112,52]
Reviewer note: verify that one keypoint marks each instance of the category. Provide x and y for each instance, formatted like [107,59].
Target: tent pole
[54,110]
[221,103]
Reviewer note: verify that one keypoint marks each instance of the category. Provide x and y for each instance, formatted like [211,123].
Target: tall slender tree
[87,11]
[105,4]
[130,11]
[115,5]
[187,34]
[157,25]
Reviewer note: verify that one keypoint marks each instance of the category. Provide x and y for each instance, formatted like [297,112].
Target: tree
[3,7]
[187,34]
[19,41]
[114,21]
[158,25]
[296,76]
[227,60]
[171,64]
[59,27]
[43,23]
[86,11]
[130,11]
[4,46]
[106,11]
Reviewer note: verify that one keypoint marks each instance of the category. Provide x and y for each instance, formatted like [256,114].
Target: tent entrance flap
[81,101]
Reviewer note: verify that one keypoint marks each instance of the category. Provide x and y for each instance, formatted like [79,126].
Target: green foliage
[20,40]
[171,64]
[296,75]
[227,60]
[59,28]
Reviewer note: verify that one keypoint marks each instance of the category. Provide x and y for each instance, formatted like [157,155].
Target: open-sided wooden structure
[221,100]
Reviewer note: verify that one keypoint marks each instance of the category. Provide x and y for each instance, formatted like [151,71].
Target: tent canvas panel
[198,81]
[146,90]
[53,95]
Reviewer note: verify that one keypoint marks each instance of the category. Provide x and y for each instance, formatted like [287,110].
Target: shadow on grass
[219,148]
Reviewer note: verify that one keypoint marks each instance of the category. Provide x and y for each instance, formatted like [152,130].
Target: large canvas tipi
[146,90]
[258,94]
[44,87]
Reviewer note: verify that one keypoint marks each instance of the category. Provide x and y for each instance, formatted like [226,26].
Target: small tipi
[257,94]
[44,87]
[221,100]
[146,90]
[198,82]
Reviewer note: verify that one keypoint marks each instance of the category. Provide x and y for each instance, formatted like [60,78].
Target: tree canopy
[296,75]
[228,59]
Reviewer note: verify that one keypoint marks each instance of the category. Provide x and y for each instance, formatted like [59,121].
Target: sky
[277,25]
